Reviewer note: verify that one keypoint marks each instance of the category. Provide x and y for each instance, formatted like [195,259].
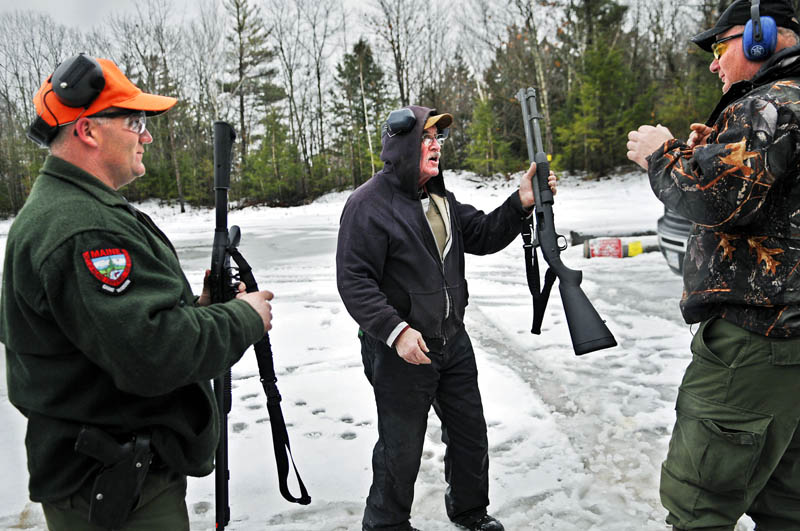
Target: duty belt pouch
[118,484]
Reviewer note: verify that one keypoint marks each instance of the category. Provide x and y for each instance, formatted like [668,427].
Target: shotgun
[586,329]
[224,280]
[222,291]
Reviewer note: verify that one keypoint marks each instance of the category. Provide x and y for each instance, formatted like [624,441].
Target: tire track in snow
[615,407]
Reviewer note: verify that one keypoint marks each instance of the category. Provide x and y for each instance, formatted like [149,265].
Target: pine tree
[362,102]
[488,153]
[251,57]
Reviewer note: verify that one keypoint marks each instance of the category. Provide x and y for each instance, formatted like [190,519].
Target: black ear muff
[399,122]
[41,132]
[78,81]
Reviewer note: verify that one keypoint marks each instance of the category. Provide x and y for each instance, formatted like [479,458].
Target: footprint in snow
[201,507]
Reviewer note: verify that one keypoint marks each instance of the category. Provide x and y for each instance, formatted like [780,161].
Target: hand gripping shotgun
[586,329]
[224,282]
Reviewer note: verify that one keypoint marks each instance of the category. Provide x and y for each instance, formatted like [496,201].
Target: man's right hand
[644,141]
[411,347]
[698,135]
[258,300]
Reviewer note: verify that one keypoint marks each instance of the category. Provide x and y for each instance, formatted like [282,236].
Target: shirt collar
[66,171]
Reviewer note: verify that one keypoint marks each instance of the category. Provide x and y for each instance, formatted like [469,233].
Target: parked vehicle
[673,231]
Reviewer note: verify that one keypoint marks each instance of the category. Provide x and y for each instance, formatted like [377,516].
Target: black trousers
[404,394]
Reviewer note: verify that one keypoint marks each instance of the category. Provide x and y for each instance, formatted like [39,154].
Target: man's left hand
[526,196]
[205,297]
[644,141]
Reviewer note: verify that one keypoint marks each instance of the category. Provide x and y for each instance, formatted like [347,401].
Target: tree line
[307,85]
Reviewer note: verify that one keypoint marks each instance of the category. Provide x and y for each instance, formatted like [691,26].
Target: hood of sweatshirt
[401,156]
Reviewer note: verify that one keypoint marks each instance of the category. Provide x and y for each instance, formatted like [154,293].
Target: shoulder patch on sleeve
[111,267]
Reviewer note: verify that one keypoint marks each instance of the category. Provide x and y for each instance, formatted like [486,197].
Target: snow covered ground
[576,443]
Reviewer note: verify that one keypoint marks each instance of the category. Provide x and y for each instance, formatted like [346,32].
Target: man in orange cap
[400,273]
[109,354]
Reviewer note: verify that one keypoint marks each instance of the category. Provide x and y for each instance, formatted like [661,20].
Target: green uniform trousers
[735,447]
[161,507]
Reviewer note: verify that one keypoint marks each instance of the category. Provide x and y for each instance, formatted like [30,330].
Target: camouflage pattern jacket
[742,191]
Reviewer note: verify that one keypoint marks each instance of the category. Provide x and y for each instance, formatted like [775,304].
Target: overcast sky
[77,13]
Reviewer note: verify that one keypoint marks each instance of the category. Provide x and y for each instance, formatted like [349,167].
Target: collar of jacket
[66,171]
[783,64]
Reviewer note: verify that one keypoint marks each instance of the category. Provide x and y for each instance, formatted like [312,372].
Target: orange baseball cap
[80,75]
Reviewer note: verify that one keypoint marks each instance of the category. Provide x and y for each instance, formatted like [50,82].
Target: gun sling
[266,371]
[540,294]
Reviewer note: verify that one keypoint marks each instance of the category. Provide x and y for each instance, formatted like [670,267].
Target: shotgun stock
[586,329]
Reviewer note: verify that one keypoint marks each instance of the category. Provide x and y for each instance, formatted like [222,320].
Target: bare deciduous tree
[32,46]
[400,27]
[287,38]
[151,42]
[322,21]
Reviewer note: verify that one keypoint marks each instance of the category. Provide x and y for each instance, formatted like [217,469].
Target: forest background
[308,84]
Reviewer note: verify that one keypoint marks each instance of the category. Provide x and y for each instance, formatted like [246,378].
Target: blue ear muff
[759,40]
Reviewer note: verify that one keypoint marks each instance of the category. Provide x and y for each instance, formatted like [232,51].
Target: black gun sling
[540,296]
[266,371]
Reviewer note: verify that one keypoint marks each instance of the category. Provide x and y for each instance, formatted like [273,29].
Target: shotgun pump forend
[587,329]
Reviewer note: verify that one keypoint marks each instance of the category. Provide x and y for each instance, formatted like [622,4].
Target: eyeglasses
[428,138]
[718,47]
[135,121]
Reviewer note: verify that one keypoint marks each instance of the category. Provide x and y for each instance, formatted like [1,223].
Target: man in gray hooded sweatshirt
[400,273]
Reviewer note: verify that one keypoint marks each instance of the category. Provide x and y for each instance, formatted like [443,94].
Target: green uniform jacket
[100,328]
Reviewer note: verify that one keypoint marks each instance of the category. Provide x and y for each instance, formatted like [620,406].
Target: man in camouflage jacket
[735,447]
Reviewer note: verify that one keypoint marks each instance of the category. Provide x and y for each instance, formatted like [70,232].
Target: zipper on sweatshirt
[440,260]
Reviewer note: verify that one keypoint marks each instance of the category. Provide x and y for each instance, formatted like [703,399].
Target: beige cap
[441,121]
